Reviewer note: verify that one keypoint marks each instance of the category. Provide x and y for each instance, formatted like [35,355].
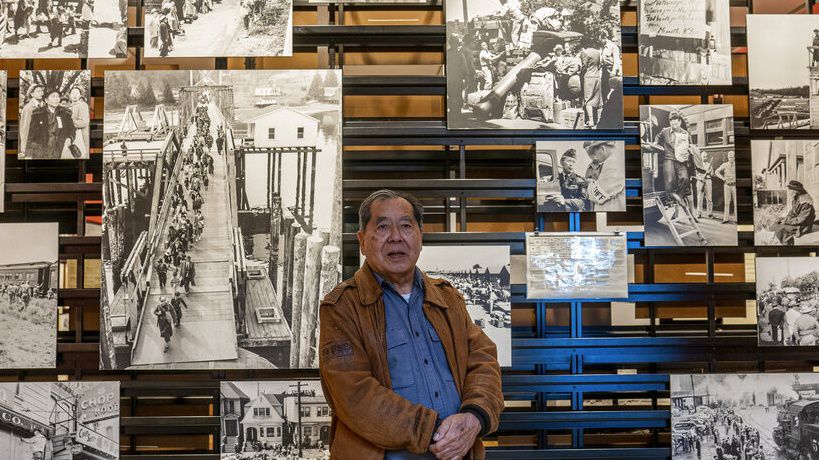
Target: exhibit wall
[588,378]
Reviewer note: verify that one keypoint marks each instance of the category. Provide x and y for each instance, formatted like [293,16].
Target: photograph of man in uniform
[600,187]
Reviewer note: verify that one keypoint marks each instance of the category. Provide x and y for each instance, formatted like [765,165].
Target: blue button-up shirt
[418,366]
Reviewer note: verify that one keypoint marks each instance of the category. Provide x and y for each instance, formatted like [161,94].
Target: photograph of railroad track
[783,71]
[538,64]
[28,295]
[221,225]
[744,416]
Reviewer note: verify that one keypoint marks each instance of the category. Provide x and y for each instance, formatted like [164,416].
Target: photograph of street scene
[744,416]
[785,187]
[204,28]
[76,420]
[787,301]
[222,218]
[28,295]
[63,29]
[783,71]
[274,420]
[535,64]
[481,275]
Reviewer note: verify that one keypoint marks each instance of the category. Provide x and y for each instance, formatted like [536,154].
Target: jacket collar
[369,291]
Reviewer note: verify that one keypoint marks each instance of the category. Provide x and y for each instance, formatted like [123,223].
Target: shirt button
[436,394]
[425,361]
[417,334]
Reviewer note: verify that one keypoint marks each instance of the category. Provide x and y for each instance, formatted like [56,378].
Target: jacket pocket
[400,356]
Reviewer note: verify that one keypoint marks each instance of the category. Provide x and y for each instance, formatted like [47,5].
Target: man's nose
[394,235]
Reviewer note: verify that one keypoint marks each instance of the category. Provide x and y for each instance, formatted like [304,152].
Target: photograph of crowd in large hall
[63,29]
[783,71]
[481,275]
[685,42]
[581,176]
[28,296]
[54,115]
[787,301]
[534,64]
[213,28]
[784,186]
[744,416]
[689,175]
[59,420]
[274,420]
[222,216]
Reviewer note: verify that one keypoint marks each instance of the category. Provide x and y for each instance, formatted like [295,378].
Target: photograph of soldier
[274,420]
[689,175]
[233,199]
[538,64]
[685,42]
[205,28]
[28,295]
[783,73]
[743,416]
[784,185]
[59,420]
[54,114]
[39,29]
[481,274]
[581,176]
[787,300]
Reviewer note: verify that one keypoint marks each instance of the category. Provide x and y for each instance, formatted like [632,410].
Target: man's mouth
[396,254]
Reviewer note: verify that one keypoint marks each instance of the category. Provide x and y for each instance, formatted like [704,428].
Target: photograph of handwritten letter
[685,42]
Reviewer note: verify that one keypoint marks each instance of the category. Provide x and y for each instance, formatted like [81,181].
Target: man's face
[392,240]
[675,123]
[731,156]
[53,99]
[38,93]
[568,164]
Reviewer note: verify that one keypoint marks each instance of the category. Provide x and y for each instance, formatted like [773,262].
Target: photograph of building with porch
[222,222]
[274,420]
[76,420]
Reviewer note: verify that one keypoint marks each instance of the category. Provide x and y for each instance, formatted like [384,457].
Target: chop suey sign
[99,403]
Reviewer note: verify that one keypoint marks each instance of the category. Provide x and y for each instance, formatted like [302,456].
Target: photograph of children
[685,42]
[787,300]
[581,176]
[205,28]
[54,114]
[39,29]
[783,71]
[784,187]
[534,64]
[689,175]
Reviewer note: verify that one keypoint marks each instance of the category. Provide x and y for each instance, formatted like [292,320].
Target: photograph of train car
[783,71]
[744,416]
[222,216]
[28,295]
[539,64]
[481,275]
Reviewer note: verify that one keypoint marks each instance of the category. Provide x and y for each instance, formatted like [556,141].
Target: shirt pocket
[400,356]
[440,353]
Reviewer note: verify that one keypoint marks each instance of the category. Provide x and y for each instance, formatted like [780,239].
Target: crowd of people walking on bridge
[186,225]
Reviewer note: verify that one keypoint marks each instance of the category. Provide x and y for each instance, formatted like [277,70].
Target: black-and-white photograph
[784,186]
[534,64]
[3,99]
[685,42]
[39,29]
[576,265]
[212,28]
[689,175]
[787,301]
[54,114]
[274,420]
[74,420]
[481,275]
[222,217]
[783,71]
[581,176]
[744,416]
[28,295]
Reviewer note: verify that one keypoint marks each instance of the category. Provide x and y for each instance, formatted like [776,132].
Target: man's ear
[361,247]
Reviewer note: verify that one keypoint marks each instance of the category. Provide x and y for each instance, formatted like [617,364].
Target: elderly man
[405,370]
[799,220]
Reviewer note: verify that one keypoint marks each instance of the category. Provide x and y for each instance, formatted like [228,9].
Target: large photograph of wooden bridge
[222,222]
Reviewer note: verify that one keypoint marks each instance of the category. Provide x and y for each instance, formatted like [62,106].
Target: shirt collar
[417,283]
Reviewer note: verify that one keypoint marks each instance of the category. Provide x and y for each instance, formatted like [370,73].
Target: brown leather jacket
[368,417]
